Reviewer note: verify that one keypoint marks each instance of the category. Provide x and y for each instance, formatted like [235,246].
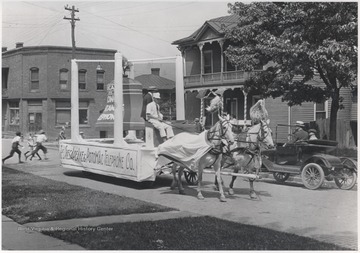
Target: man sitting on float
[154,116]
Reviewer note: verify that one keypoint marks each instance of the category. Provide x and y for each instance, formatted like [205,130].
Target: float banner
[105,160]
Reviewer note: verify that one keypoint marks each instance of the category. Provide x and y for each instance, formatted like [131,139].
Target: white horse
[219,136]
[248,159]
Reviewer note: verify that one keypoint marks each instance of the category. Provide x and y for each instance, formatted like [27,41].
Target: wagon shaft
[249,176]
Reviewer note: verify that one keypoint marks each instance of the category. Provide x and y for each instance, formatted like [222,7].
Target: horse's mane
[216,104]
[258,112]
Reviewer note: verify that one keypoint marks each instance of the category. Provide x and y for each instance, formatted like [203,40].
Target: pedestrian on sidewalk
[15,143]
[31,144]
[39,145]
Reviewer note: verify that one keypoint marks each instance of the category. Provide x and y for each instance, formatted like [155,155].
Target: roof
[217,24]
[154,80]
[57,48]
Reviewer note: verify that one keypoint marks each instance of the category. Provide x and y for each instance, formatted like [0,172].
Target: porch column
[245,104]
[201,45]
[221,43]
[179,88]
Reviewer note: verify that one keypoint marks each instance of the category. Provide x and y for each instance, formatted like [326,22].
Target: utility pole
[72,22]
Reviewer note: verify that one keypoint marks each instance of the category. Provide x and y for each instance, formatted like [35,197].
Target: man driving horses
[154,116]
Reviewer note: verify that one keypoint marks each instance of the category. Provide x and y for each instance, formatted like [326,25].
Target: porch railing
[210,78]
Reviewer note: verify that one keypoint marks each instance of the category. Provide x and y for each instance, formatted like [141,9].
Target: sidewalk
[19,237]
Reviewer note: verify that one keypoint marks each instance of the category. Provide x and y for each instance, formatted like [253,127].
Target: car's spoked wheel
[312,176]
[281,177]
[191,177]
[348,174]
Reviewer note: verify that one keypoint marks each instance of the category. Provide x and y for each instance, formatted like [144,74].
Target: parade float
[126,158]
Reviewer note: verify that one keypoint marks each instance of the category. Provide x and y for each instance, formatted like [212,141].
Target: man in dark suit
[148,98]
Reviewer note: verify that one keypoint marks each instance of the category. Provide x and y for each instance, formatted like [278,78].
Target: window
[14,113]
[5,76]
[228,65]
[83,113]
[63,112]
[208,61]
[100,80]
[321,110]
[354,93]
[64,78]
[34,79]
[82,79]
[232,107]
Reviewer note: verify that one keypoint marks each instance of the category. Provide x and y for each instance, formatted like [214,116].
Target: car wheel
[281,177]
[312,176]
[348,174]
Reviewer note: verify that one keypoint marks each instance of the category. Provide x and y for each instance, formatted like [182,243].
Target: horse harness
[220,148]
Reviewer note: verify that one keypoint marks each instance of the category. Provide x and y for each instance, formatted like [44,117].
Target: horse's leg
[231,186]
[217,184]
[174,182]
[253,194]
[180,173]
[217,166]
[200,174]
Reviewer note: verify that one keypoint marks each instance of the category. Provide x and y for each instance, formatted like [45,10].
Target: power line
[128,27]
[30,3]
[139,49]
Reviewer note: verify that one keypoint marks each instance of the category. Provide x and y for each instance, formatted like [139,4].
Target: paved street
[327,214]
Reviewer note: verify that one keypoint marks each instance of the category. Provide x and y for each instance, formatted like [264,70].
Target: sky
[138,29]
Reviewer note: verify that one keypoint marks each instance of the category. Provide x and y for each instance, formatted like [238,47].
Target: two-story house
[206,69]
[36,88]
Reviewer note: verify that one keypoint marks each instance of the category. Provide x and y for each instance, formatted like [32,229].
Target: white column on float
[74,101]
[131,133]
[180,99]
[118,102]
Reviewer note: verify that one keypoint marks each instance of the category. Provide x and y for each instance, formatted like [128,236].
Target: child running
[32,145]
[15,143]
[39,145]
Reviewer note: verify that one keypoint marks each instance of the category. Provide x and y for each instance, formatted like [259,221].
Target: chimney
[3,49]
[155,71]
[19,44]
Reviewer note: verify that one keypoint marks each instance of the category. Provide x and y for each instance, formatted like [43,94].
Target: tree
[300,43]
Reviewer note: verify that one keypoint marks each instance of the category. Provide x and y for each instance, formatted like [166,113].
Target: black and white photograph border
[179,125]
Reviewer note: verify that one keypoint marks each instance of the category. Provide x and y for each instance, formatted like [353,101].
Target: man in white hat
[299,134]
[147,98]
[154,116]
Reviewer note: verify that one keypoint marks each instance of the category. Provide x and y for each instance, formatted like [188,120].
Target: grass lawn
[200,233]
[30,198]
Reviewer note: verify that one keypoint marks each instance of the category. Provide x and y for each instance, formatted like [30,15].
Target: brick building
[36,84]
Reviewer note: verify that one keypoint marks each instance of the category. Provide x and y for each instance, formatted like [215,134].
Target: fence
[344,133]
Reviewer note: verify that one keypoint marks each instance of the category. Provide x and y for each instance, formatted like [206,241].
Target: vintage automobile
[311,160]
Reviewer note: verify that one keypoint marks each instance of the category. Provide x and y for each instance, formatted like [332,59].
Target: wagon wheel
[191,177]
[281,177]
[312,176]
[348,174]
